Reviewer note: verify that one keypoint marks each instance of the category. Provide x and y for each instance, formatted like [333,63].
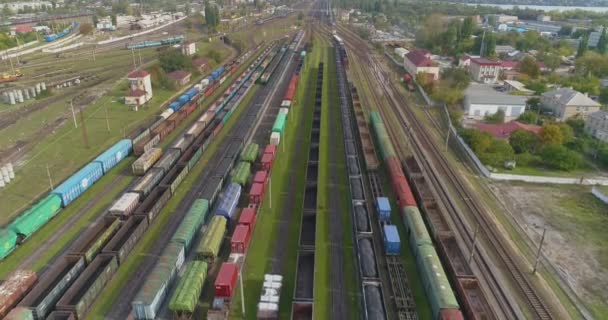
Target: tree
[567,132]
[582,46]
[7,12]
[528,117]
[551,134]
[602,43]
[214,55]
[498,152]
[497,117]
[559,157]
[300,16]
[565,31]
[529,66]
[477,140]
[95,20]
[523,141]
[604,96]
[577,124]
[85,28]
[551,60]
[592,63]
[468,26]
[212,15]
[114,19]
[172,60]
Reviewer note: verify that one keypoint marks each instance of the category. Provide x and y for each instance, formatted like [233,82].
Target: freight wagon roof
[240,233]
[189,287]
[247,216]
[18,281]
[228,272]
[391,233]
[152,153]
[383,204]
[80,177]
[256,189]
[439,279]
[260,176]
[125,201]
[29,221]
[118,150]
[270,149]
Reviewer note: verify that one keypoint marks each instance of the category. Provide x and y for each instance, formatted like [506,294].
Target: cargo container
[240,239]
[124,206]
[8,242]
[189,288]
[33,219]
[267,160]
[146,161]
[126,237]
[191,223]
[195,158]
[226,280]
[95,237]
[241,173]
[52,285]
[61,315]
[20,313]
[175,177]
[248,217]
[175,106]
[435,282]
[229,202]
[114,154]
[168,159]
[250,152]
[416,228]
[256,194]
[144,134]
[383,207]
[81,295]
[145,184]
[284,111]
[78,183]
[279,123]
[154,202]
[260,177]
[15,286]
[384,142]
[270,149]
[275,138]
[146,144]
[285,103]
[196,129]
[182,142]
[167,113]
[211,241]
[392,243]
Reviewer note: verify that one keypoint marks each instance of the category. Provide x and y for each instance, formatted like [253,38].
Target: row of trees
[212,15]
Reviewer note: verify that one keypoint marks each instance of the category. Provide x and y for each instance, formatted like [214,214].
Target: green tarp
[212,239]
[37,216]
[191,223]
[250,153]
[189,288]
[8,240]
[279,123]
[241,173]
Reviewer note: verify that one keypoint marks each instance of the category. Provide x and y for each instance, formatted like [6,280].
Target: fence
[600,195]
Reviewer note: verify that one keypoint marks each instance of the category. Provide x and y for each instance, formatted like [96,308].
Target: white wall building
[596,125]
[419,61]
[481,100]
[188,48]
[141,88]
[484,70]
[33,4]
[401,52]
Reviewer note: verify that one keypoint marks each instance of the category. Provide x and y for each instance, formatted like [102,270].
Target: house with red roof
[140,86]
[201,64]
[180,77]
[484,70]
[504,130]
[419,61]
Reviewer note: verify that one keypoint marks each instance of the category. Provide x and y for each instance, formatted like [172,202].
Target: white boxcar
[125,204]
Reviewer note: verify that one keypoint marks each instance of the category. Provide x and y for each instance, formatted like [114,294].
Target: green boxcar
[37,216]
[191,223]
[386,146]
[250,153]
[416,229]
[189,288]
[20,313]
[436,284]
[210,245]
[241,173]
[8,242]
[279,123]
[195,158]
[102,240]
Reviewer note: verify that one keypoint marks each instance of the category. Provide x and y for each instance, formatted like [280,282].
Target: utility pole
[474,243]
[94,49]
[139,54]
[48,173]
[542,240]
[85,136]
[242,294]
[73,113]
[133,55]
[107,120]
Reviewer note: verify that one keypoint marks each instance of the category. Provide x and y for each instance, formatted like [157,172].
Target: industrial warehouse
[254,161]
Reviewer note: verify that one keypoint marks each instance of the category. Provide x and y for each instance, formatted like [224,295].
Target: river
[543,8]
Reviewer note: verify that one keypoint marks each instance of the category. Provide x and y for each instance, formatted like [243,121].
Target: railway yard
[291,179]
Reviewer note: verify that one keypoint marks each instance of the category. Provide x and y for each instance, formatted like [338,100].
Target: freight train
[156,43]
[39,214]
[434,278]
[63,33]
[72,284]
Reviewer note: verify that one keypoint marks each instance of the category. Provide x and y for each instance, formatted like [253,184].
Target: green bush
[559,157]
[527,159]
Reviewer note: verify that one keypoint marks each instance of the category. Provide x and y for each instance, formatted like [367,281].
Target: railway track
[428,153]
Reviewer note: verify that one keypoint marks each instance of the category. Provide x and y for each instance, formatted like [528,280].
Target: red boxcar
[14,288]
[256,193]
[267,161]
[404,193]
[450,314]
[226,280]
[248,217]
[271,149]
[394,167]
[240,239]
[291,89]
[260,177]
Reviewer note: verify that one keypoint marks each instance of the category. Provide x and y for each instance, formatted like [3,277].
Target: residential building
[16,6]
[566,102]
[484,70]
[202,64]
[465,61]
[543,18]
[501,18]
[419,61]
[512,85]
[188,48]
[180,77]
[594,37]
[504,49]
[505,130]
[596,125]
[481,100]
[140,87]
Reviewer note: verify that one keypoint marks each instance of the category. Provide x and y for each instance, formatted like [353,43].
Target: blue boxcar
[183,99]
[115,154]
[229,201]
[392,243]
[384,208]
[192,93]
[78,183]
[174,106]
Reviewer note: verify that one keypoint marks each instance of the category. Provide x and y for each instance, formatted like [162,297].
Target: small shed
[180,77]
[384,208]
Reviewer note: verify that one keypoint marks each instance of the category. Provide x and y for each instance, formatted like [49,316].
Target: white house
[419,61]
[188,48]
[596,125]
[481,100]
[567,102]
[141,88]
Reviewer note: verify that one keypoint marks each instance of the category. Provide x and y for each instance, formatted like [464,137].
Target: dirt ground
[576,239]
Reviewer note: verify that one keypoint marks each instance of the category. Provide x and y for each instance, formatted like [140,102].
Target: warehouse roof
[199,62]
[420,58]
[138,74]
[504,130]
[570,97]
[485,94]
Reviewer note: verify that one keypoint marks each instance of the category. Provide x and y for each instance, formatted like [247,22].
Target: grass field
[31,181]
[108,296]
